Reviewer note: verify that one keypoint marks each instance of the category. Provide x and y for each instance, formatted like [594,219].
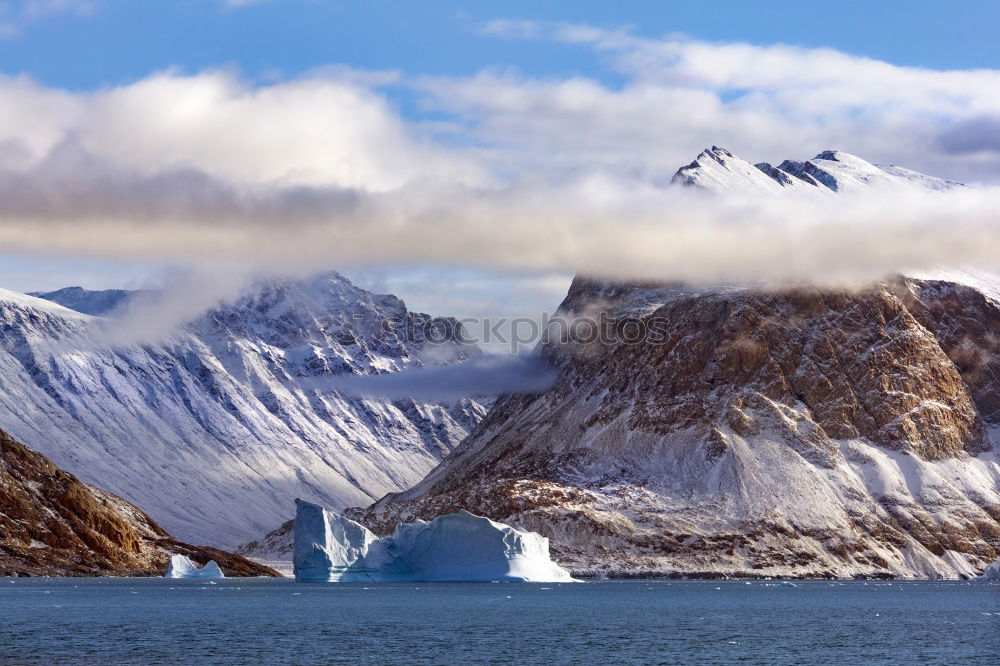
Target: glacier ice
[992,571]
[181,566]
[326,543]
[456,547]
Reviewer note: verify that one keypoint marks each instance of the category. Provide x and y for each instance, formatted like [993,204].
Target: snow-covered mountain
[214,432]
[102,303]
[803,432]
[718,170]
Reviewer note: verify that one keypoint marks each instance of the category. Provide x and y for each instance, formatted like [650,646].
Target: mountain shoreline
[52,524]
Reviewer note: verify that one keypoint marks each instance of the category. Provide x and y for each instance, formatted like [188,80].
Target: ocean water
[250,621]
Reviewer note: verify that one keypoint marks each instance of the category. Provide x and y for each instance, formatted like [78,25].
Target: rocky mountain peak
[719,170]
[101,303]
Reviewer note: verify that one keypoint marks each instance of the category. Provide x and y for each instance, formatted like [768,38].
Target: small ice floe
[181,566]
[787,583]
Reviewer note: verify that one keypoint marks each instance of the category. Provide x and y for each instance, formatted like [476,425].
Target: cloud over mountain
[499,170]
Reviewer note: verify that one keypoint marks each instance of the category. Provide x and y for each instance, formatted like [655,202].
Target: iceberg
[456,547]
[181,566]
[991,572]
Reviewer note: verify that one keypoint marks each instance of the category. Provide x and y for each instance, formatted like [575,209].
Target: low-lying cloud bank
[482,375]
[598,226]
[507,172]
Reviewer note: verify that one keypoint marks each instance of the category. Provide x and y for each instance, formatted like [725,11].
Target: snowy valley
[214,431]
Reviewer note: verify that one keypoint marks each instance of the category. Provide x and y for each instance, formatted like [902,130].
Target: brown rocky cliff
[793,431]
[51,523]
[817,366]
[967,326]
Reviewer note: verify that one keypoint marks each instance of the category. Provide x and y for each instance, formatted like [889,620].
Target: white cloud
[15,15]
[512,28]
[766,102]
[596,225]
[521,175]
[319,130]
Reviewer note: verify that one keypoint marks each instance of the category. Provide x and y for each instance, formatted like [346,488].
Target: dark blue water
[112,621]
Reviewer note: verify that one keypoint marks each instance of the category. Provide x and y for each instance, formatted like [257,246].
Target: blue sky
[123,112]
[109,42]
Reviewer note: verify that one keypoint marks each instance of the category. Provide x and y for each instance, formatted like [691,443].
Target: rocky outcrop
[966,323]
[278,544]
[53,524]
[735,431]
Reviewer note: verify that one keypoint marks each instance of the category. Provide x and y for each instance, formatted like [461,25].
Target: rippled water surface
[241,621]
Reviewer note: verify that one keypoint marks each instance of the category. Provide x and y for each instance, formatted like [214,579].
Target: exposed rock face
[805,432]
[278,544]
[221,414]
[53,524]
[966,323]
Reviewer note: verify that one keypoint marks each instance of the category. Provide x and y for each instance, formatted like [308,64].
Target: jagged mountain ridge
[212,431]
[51,524]
[100,303]
[805,432]
[831,171]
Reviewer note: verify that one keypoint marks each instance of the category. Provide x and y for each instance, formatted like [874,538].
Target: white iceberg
[991,572]
[456,547]
[181,566]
